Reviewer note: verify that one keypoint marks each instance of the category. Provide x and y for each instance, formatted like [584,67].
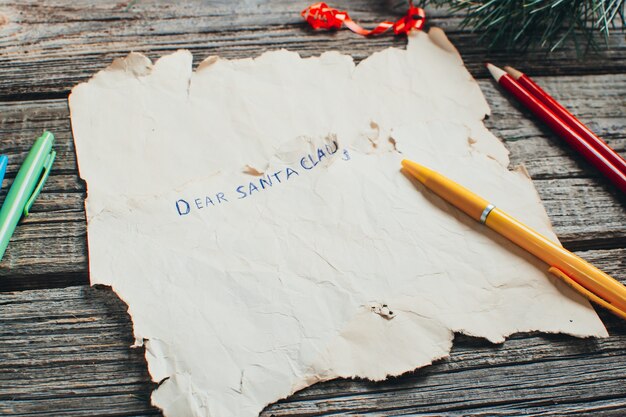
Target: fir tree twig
[547,24]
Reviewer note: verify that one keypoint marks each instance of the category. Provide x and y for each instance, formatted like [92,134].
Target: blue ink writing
[302,164]
[220,198]
[307,162]
[275,175]
[241,192]
[263,182]
[185,209]
[290,172]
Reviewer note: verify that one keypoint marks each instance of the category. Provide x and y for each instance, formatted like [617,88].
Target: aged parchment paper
[253,216]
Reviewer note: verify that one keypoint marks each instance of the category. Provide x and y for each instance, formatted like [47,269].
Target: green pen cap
[26,186]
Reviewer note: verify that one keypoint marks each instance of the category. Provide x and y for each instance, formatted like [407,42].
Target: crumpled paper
[253,216]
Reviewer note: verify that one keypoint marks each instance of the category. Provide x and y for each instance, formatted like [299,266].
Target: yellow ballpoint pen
[579,274]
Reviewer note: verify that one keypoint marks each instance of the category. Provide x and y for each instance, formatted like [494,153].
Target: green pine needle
[546,24]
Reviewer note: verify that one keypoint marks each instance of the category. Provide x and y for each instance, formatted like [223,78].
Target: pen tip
[496,72]
[513,72]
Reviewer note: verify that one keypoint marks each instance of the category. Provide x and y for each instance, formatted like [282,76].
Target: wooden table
[64,346]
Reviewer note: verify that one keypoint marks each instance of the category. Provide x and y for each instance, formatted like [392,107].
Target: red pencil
[561,112]
[565,131]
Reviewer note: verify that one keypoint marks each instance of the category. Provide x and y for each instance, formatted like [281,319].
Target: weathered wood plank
[512,389]
[571,204]
[46,48]
[586,211]
[67,352]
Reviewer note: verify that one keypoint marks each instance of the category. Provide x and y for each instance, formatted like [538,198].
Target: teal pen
[26,187]
[4,160]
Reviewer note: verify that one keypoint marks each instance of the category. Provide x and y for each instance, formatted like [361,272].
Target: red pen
[562,129]
[561,112]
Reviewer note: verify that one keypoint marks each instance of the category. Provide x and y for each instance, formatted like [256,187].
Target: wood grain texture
[47,47]
[65,351]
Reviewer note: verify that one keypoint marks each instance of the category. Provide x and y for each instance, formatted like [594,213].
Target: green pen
[26,187]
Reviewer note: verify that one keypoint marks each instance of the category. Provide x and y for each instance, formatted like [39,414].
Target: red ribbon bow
[321,16]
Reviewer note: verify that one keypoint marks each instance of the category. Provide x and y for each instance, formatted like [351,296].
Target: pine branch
[545,24]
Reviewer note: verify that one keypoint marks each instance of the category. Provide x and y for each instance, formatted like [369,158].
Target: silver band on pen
[486,211]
